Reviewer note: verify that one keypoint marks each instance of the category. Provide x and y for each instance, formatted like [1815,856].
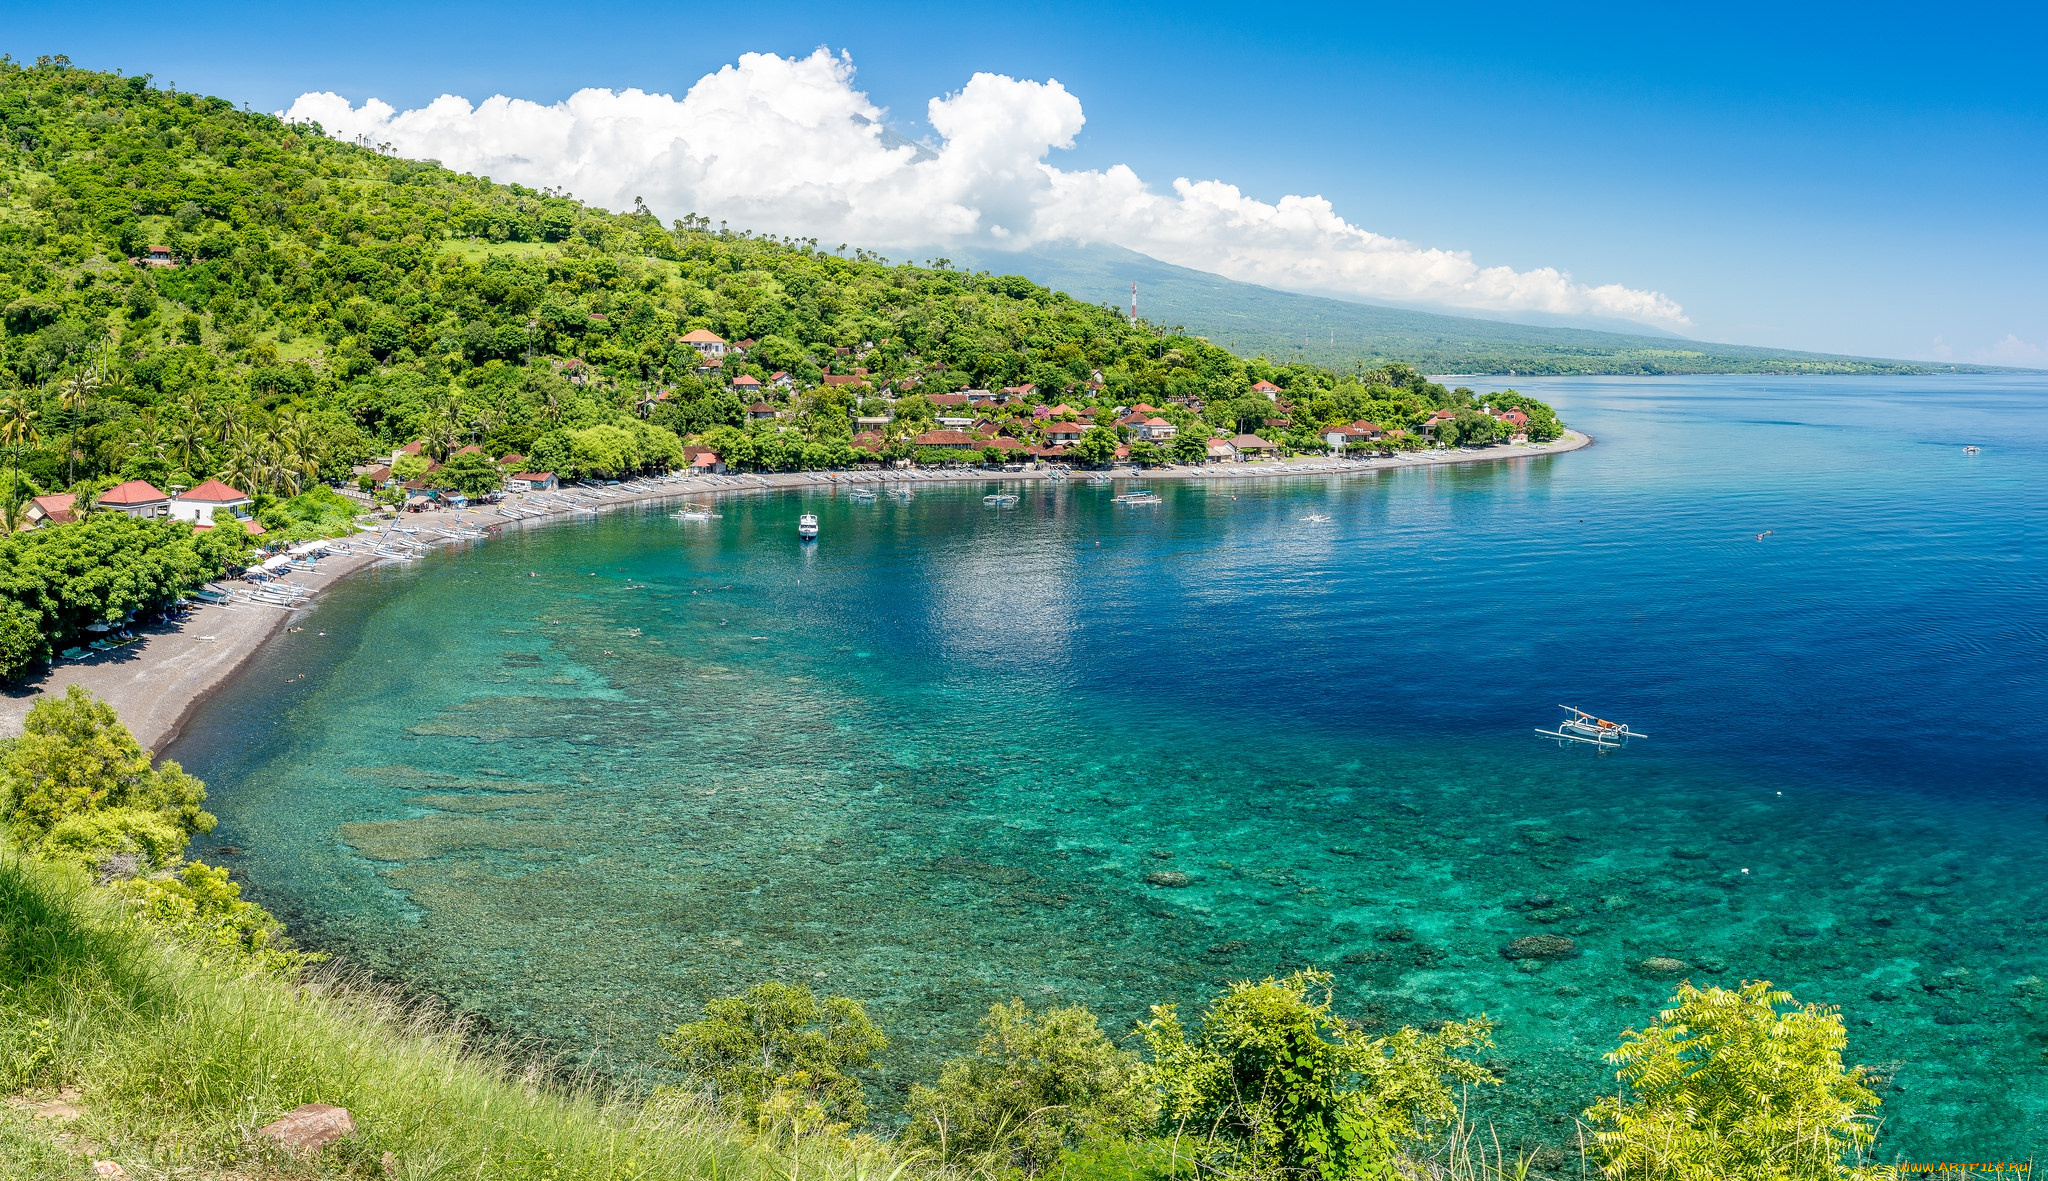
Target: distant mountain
[1249,320]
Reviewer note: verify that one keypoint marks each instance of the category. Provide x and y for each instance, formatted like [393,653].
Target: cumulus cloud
[2014,351]
[790,146]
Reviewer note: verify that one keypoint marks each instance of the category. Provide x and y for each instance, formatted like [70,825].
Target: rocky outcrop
[309,1127]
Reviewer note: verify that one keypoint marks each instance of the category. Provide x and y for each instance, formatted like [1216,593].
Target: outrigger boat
[1000,499]
[1584,727]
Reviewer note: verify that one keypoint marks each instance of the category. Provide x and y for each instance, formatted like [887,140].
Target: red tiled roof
[947,439]
[133,492]
[760,408]
[213,492]
[531,476]
[702,336]
[745,379]
[843,379]
[57,506]
[946,399]
[1265,387]
[1241,442]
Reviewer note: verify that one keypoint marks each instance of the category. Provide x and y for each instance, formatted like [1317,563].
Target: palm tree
[74,396]
[188,443]
[17,426]
[244,467]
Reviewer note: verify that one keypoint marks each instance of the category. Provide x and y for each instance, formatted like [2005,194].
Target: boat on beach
[807,526]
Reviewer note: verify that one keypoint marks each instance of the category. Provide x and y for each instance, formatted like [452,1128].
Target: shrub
[1276,1083]
[1034,1087]
[780,1057]
[1733,1083]
[75,757]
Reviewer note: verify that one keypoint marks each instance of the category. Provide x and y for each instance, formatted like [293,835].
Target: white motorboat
[807,526]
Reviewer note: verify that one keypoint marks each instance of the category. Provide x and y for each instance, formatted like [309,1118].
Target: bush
[1034,1087]
[1274,1082]
[1733,1083]
[780,1058]
[74,757]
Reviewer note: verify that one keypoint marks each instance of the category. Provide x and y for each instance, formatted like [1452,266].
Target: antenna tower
[1134,303]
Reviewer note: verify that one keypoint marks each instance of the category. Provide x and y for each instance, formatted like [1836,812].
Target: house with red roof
[1251,445]
[946,399]
[759,411]
[948,439]
[197,504]
[137,498]
[1267,388]
[781,380]
[1220,451]
[532,482]
[54,509]
[1065,432]
[710,362]
[746,383]
[1154,430]
[844,379]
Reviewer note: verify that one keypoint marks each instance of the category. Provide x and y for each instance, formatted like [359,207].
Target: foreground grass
[177,1063]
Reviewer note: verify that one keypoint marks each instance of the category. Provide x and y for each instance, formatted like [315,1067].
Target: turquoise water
[580,777]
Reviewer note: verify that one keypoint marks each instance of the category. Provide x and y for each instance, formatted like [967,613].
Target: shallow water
[580,777]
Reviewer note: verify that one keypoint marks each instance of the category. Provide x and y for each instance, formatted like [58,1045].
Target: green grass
[180,1063]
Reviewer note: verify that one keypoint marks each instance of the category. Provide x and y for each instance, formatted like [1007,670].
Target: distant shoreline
[159,682]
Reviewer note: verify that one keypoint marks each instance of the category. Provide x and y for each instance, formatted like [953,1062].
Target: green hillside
[318,304]
[1254,321]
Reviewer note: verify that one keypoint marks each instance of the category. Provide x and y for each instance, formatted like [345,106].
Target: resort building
[1251,446]
[197,504]
[532,482]
[1154,429]
[54,509]
[1065,432]
[705,341]
[137,498]
[1220,451]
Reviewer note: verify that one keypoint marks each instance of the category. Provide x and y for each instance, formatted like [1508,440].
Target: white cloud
[789,146]
[2014,351]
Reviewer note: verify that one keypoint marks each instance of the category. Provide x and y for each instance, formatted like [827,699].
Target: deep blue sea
[583,776]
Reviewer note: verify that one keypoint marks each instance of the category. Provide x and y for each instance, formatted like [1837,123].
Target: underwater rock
[1163,854]
[1343,851]
[1227,947]
[1541,947]
[1368,957]
[1882,995]
[1532,966]
[1711,963]
[1551,914]
[1690,853]
[1172,879]
[1396,935]
[1662,965]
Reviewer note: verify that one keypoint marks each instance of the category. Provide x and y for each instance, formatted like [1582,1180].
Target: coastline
[161,680]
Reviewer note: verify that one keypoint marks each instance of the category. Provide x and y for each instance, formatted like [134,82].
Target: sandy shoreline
[160,680]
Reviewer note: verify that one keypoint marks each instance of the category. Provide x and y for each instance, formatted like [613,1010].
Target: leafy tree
[411,467]
[1190,446]
[781,1057]
[74,757]
[1097,445]
[1035,1086]
[471,474]
[1274,1082]
[1736,1084]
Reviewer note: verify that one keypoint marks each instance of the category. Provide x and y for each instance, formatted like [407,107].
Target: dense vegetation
[183,1019]
[329,304]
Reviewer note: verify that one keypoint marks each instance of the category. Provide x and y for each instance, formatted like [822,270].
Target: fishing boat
[1584,727]
[694,512]
[862,495]
[807,526]
[1000,499]
[1138,496]
[1973,450]
[1317,518]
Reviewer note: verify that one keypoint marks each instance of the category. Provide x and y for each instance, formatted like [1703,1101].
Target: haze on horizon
[1832,180]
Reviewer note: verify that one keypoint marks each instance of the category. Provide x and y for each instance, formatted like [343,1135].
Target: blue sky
[1856,179]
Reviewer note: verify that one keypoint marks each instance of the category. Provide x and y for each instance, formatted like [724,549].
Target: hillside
[1252,320]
